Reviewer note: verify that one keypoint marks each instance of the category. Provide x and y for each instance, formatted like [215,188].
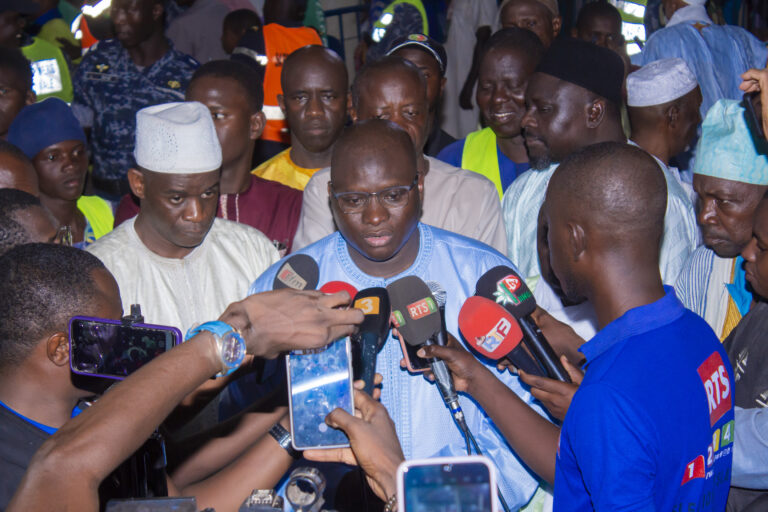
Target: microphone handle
[443,378]
[369,349]
[520,358]
[542,350]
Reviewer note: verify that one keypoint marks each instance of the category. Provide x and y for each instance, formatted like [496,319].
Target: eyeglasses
[392,197]
[64,236]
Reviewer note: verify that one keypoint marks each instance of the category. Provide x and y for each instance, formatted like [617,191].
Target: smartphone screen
[318,383]
[448,487]
[108,348]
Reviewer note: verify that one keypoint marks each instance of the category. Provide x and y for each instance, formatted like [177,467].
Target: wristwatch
[230,345]
[283,438]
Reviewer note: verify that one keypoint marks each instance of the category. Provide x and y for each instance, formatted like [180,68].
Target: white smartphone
[319,382]
[447,484]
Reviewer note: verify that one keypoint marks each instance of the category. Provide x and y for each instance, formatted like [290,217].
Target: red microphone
[492,331]
[337,286]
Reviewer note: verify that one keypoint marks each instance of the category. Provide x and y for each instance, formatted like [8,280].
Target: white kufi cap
[659,82]
[177,138]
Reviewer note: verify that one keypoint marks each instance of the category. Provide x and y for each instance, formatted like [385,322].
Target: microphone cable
[468,437]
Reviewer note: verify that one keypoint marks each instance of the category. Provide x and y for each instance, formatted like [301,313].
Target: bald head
[615,190]
[16,171]
[373,139]
[308,59]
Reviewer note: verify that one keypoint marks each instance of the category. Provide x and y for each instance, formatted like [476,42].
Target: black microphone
[299,272]
[370,338]
[506,287]
[416,315]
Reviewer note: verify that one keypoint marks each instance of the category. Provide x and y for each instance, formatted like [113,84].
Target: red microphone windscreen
[337,286]
[488,327]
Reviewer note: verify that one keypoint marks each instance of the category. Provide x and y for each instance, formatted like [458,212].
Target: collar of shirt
[689,13]
[125,63]
[738,289]
[635,321]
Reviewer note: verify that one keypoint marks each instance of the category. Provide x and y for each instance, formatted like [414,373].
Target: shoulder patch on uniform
[174,84]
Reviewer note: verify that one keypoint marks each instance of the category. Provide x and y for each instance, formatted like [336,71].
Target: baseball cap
[424,42]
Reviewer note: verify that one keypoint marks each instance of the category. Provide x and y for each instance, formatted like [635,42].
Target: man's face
[13,97]
[689,119]
[501,86]
[235,122]
[18,174]
[61,170]
[756,252]
[314,101]
[11,26]
[554,123]
[134,20]
[530,15]
[377,233]
[725,213]
[430,68]
[178,209]
[399,98]
[561,266]
[38,223]
[229,40]
[604,31]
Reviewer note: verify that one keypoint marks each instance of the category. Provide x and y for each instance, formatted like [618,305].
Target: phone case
[414,363]
[318,383]
[93,349]
[437,486]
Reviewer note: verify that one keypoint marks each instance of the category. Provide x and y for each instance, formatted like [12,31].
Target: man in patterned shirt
[117,78]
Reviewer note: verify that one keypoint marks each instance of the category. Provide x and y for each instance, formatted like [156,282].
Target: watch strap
[283,438]
[219,329]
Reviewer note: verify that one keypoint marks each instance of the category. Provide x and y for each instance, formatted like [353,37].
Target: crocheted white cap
[177,138]
[658,82]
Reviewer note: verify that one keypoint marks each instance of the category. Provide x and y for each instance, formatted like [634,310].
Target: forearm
[220,451]
[261,467]
[71,464]
[531,436]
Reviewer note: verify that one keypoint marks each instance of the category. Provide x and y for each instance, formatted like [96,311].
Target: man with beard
[730,178]
[572,102]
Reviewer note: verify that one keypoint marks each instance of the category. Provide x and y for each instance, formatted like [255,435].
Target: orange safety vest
[279,42]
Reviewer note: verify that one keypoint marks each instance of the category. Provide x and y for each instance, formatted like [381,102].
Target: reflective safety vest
[99,214]
[388,15]
[279,42]
[50,72]
[480,155]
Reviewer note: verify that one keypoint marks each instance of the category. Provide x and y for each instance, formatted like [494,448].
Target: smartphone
[447,484]
[108,348]
[752,113]
[319,382]
[414,363]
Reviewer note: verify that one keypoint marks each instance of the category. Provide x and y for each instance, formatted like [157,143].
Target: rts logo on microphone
[421,308]
[506,291]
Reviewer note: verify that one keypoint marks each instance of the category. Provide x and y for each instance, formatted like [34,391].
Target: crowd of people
[176,154]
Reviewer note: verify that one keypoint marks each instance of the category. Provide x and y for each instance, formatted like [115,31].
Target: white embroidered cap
[177,138]
[659,82]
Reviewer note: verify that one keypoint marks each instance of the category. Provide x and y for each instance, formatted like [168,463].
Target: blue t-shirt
[451,154]
[651,426]
[45,428]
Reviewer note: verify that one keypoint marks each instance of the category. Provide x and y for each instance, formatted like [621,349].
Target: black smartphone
[109,348]
[754,113]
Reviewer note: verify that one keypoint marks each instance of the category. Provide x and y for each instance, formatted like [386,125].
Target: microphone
[491,330]
[417,317]
[299,272]
[440,296]
[370,338]
[503,285]
[332,287]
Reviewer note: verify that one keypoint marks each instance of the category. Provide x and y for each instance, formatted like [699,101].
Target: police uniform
[109,90]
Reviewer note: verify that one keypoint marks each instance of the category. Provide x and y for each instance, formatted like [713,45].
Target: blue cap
[44,124]
[726,148]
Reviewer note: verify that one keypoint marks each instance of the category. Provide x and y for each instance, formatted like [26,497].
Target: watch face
[232,349]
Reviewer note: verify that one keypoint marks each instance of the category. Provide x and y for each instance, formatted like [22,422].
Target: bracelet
[283,438]
[391,505]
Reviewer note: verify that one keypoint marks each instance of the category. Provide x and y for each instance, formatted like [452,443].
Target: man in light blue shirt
[375,196]
[716,54]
